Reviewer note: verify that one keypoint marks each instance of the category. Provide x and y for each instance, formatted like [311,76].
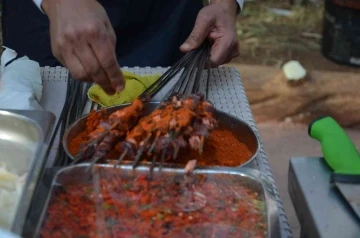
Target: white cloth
[7,234]
[38,4]
[241,4]
[20,83]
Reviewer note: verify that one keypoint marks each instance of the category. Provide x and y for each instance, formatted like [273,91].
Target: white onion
[11,186]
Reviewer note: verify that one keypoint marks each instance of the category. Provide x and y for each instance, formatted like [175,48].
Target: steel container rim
[272,209]
[65,141]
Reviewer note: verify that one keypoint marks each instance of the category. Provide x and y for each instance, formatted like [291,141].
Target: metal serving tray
[251,178]
[23,136]
[241,130]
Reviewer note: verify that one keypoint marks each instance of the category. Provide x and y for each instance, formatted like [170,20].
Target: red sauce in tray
[126,205]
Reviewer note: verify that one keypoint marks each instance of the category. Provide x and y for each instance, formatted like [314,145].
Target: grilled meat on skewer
[203,125]
[176,124]
[104,136]
[164,129]
[106,145]
[179,122]
[173,115]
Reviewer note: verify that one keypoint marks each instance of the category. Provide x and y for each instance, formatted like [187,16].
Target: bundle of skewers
[184,118]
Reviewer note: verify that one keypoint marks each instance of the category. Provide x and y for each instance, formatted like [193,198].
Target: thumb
[202,28]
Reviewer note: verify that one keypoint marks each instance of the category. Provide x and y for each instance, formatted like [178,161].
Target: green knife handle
[339,151]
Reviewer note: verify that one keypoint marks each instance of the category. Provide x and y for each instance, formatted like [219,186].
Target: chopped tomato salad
[133,204]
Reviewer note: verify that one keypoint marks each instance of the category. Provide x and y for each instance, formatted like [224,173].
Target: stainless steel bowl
[241,130]
[22,144]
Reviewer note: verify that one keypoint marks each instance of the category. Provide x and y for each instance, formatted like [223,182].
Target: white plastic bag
[7,234]
[20,83]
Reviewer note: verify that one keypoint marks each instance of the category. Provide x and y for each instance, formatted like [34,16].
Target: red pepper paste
[221,148]
[92,122]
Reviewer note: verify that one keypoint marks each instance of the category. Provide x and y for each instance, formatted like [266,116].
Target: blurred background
[272,32]
[324,37]
[318,34]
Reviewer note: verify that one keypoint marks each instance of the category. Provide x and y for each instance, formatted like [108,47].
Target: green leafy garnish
[259,204]
[127,186]
[145,207]
[106,206]
[160,216]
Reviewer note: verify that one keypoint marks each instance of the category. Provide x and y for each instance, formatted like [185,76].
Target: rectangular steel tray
[23,136]
[251,178]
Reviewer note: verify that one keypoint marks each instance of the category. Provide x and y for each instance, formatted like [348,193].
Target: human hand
[216,21]
[83,40]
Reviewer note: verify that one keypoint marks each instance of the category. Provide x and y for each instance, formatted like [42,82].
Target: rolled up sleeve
[241,4]
[38,4]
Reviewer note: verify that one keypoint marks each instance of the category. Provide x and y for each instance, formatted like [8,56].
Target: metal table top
[226,91]
[321,210]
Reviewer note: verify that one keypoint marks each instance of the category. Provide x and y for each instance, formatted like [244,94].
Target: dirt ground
[267,38]
[282,141]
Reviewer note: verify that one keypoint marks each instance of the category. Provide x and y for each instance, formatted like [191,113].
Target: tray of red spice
[122,202]
[232,144]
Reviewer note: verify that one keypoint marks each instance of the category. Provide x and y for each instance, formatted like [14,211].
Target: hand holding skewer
[178,122]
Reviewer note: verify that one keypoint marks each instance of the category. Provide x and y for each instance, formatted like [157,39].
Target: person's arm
[217,22]
[83,40]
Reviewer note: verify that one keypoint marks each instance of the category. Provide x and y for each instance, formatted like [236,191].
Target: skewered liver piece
[178,122]
[170,127]
[120,119]
[173,115]
[152,126]
[106,145]
[118,124]
[203,125]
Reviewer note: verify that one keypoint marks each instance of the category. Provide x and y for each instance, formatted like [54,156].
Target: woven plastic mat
[226,91]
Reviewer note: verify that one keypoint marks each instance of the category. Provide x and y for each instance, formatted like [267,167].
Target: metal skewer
[187,84]
[193,65]
[145,96]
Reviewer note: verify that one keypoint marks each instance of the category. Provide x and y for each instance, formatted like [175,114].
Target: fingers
[92,67]
[222,36]
[83,40]
[68,58]
[111,33]
[232,54]
[203,26]
[223,50]
[86,57]
[71,61]
[89,54]
[103,47]
[108,62]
